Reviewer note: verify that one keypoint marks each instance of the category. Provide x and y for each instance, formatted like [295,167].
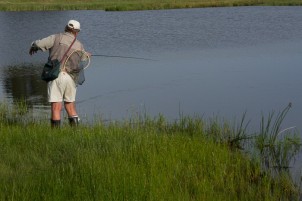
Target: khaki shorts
[62,89]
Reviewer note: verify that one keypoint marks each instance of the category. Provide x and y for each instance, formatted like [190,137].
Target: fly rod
[125,57]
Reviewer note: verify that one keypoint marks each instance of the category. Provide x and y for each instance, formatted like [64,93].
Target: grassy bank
[141,159]
[118,5]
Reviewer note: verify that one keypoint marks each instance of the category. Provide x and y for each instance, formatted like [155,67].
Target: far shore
[128,5]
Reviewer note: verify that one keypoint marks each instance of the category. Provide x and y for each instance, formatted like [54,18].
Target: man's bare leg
[72,113]
[56,108]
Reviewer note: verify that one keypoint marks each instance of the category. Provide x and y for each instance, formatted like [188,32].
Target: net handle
[88,61]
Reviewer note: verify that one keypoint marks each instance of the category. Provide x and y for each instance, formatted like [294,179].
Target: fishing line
[124,57]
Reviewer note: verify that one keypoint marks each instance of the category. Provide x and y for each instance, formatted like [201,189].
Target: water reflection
[22,82]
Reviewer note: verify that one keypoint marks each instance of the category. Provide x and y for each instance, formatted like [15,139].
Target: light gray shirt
[58,44]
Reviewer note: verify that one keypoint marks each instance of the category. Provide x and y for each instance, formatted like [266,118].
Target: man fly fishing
[64,87]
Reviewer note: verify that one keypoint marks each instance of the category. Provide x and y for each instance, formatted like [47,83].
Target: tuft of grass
[277,147]
[15,113]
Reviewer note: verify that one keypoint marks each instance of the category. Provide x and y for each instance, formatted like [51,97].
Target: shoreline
[136,5]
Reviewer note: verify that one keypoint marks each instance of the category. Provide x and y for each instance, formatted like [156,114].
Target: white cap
[73,24]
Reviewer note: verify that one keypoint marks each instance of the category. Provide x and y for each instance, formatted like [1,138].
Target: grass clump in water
[145,159]
[277,147]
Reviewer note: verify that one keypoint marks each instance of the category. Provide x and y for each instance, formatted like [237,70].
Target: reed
[277,146]
[117,5]
[142,158]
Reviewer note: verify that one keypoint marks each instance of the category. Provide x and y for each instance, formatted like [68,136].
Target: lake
[209,62]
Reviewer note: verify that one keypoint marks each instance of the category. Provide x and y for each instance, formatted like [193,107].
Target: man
[64,87]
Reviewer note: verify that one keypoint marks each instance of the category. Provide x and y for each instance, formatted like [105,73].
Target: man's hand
[33,50]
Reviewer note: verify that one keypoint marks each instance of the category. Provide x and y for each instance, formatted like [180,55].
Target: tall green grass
[118,5]
[138,159]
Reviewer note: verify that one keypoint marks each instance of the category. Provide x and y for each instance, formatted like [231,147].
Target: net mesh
[75,64]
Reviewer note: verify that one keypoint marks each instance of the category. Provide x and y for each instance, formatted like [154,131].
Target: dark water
[206,62]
